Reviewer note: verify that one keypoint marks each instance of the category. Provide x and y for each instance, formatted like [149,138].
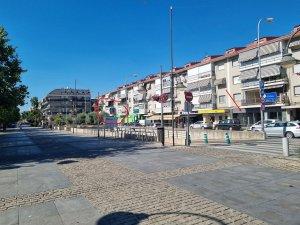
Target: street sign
[270,97]
[188,96]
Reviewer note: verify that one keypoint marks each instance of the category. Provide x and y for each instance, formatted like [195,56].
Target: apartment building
[66,101]
[273,75]
[223,86]
[228,85]
[292,111]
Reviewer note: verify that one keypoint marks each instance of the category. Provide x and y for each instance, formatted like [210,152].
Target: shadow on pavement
[129,218]
[52,146]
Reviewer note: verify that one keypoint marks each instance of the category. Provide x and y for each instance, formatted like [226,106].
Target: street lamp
[171,75]
[261,83]
[288,60]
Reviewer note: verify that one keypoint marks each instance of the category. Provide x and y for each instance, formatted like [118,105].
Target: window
[221,67]
[235,62]
[237,97]
[236,80]
[296,90]
[222,99]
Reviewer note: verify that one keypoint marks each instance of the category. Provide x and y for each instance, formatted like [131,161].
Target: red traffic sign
[188,96]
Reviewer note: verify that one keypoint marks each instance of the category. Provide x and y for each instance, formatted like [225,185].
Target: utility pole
[171,75]
[162,110]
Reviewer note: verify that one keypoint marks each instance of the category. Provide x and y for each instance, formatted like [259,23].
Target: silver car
[257,125]
[283,129]
[201,124]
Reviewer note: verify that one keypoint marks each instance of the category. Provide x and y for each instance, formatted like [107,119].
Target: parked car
[283,129]
[228,124]
[257,126]
[201,124]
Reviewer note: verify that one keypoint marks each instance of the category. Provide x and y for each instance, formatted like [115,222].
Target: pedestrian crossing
[270,146]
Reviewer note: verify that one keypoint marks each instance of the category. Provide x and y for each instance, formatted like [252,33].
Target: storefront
[214,115]
[290,113]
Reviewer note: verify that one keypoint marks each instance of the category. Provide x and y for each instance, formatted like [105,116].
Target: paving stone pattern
[127,182]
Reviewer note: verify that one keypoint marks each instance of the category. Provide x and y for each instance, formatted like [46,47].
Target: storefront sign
[211,111]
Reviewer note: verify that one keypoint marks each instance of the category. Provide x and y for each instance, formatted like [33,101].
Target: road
[52,177]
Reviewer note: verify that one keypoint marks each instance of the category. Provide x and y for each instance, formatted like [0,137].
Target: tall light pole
[261,82]
[171,75]
[162,110]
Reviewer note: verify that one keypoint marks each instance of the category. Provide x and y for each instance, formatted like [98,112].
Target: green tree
[58,120]
[12,92]
[35,115]
[81,117]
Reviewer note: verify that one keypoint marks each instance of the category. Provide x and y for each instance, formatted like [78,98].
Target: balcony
[282,99]
[122,96]
[139,97]
[268,84]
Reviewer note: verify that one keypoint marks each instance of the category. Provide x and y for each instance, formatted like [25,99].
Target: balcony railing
[281,99]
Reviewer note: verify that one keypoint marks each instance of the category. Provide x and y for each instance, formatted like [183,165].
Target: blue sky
[104,43]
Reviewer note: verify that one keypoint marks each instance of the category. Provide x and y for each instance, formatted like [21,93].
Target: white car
[257,125]
[201,124]
[283,129]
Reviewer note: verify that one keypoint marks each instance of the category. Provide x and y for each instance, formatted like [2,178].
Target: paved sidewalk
[71,179]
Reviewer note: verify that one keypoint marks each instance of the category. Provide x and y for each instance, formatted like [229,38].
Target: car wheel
[289,134]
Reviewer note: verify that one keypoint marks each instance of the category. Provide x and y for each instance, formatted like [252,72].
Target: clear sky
[104,43]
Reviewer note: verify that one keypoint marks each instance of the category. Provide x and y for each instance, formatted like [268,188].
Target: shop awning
[212,111]
[220,81]
[295,44]
[204,98]
[249,74]
[270,71]
[248,55]
[158,117]
[204,83]
[270,48]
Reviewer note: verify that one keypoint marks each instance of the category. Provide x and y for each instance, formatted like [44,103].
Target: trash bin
[161,135]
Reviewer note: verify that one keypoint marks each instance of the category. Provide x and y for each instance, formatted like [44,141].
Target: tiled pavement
[81,180]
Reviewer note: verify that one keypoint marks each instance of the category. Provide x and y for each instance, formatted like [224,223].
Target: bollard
[227,138]
[205,138]
[285,146]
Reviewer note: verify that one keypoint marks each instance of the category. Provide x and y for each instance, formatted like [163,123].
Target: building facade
[223,86]
[66,101]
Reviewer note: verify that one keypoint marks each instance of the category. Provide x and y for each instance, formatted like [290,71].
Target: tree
[58,120]
[12,92]
[35,115]
[34,102]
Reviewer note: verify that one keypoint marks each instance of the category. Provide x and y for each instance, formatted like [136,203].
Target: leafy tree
[68,119]
[12,92]
[91,118]
[34,102]
[58,120]
[81,117]
[35,115]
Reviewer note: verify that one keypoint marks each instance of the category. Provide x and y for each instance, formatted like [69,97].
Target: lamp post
[288,60]
[171,75]
[261,83]
[162,110]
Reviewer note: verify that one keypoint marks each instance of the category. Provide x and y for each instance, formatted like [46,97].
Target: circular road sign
[188,96]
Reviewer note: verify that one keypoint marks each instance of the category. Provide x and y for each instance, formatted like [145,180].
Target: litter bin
[161,135]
